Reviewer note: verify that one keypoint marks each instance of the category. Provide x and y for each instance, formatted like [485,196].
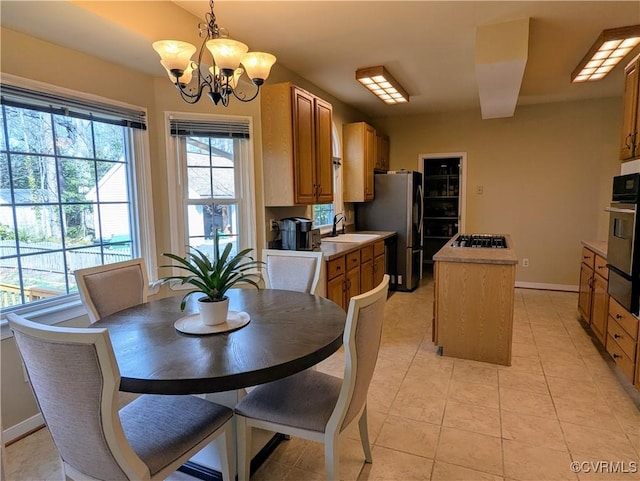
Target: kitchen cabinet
[593,298]
[441,204]
[355,272]
[296,146]
[359,151]
[474,301]
[622,339]
[629,142]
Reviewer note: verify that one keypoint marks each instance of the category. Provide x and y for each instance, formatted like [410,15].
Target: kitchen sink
[351,238]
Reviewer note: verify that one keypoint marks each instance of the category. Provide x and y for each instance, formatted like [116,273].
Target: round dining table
[287,332]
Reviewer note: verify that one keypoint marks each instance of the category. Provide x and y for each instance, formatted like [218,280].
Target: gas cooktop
[480,240]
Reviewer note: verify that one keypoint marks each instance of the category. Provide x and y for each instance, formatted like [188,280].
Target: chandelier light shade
[610,48]
[218,77]
[382,84]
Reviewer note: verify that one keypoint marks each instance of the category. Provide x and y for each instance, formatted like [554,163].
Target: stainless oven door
[620,288]
[622,225]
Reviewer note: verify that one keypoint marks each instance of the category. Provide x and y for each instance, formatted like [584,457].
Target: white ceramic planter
[213,313]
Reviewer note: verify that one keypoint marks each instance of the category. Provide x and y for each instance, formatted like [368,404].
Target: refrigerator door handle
[420,207]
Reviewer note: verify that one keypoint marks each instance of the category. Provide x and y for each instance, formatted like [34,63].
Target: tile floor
[438,418]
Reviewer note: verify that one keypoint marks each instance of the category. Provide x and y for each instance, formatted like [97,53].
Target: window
[67,192]
[214,183]
[323,213]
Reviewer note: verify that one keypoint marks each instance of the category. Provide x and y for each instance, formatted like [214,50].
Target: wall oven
[623,249]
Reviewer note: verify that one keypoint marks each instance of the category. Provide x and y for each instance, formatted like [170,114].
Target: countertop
[599,247]
[477,255]
[332,250]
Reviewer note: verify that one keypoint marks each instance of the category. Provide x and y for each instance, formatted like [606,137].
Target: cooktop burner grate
[481,241]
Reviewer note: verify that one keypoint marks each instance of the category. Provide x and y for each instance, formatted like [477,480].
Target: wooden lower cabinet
[622,339]
[600,299]
[355,273]
[474,310]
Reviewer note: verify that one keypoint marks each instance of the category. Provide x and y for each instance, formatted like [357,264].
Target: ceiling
[429,47]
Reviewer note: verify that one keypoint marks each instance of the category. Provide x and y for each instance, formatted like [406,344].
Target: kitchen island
[473,300]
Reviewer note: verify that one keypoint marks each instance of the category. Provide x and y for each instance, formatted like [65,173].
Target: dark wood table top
[288,332]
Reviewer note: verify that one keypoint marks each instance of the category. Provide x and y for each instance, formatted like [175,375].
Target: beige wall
[546,175]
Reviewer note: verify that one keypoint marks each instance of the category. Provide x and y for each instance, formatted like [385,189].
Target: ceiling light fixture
[611,46]
[381,83]
[220,78]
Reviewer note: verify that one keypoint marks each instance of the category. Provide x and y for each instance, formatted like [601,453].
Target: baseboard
[22,428]
[547,287]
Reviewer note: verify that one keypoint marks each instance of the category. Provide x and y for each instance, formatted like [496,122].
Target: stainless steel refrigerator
[397,206]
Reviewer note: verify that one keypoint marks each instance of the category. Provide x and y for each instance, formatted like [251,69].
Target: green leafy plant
[214,278]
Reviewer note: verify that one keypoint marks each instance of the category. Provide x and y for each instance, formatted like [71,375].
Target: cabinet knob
[617,336]
[618,316]
[617,356]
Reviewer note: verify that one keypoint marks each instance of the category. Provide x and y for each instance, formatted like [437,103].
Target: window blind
[69,106]
[237,128]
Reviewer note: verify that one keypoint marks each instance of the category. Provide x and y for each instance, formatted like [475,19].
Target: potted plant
[213,278]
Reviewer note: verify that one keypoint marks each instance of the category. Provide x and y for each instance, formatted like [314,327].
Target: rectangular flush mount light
[611,46]
[381,83]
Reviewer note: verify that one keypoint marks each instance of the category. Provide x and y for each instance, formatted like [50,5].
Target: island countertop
[477,255]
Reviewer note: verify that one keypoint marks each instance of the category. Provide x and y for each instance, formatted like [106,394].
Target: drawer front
[628,322]
[601,266]
[353,260]
[366,253]
[335,268]
[588,257]
[622,337]
[378,248]
[621,359]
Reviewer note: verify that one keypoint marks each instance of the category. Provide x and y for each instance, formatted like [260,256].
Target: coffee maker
[297,234]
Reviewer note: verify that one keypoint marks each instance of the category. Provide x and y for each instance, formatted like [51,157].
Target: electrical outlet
[525,262]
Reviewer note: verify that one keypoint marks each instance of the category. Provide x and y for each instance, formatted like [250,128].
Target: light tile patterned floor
[438,418]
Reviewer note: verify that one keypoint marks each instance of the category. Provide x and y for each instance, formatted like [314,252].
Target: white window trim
[69,306]
[175,189]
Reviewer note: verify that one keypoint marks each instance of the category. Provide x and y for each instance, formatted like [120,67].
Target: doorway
[444,187]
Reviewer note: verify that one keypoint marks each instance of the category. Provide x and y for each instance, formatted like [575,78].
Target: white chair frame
[266,253]
[125,456]
[330,437]
[83,290]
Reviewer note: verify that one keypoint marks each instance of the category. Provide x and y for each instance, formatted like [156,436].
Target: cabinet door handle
[617,356]
[628,141]
[601,267]
[618,316]
[617,336]
[586,257]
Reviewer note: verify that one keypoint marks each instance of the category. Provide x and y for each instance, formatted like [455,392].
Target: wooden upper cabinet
[629,141]
[297,147]
[359,150]
[382,152]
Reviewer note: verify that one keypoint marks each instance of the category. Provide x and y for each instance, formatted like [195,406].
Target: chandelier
[220,78]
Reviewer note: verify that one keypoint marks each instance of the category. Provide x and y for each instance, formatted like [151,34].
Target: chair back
[292,270]
[75,379]
[111,288]
[362,337]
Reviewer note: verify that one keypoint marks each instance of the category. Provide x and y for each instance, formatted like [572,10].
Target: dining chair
[317,406]
[75,379]
[292,270]
[111,288]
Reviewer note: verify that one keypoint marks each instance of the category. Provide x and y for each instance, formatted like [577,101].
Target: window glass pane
[10,292]
[322,215]
[110,141]
[197,145]
[43,275]
[34,179]
[199,180]
[224,183]
[74,137]
[5,181]
[205,219]
[84,257]
[7,234]
[29,131]
[77,179]
[2,138]
[114,221]
[38,227]
[112,183]
[78,222]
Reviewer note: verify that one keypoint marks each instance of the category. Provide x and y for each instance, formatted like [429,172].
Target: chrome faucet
[336,219]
